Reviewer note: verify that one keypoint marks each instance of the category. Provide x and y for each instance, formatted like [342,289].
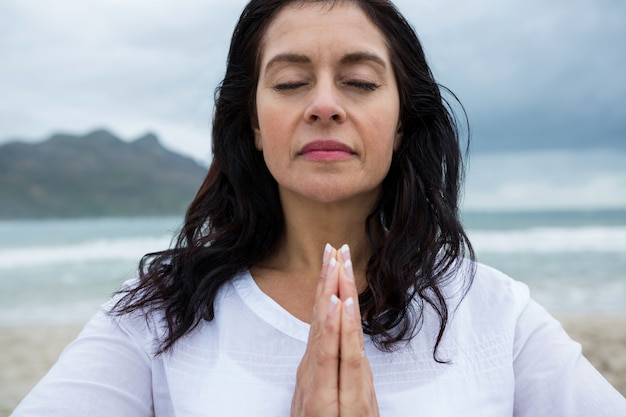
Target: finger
[347,284]
[317,378]
[323,345]
[353,364]
[328,300]
[327,284]
[325,324]
[318,373]
[328,252]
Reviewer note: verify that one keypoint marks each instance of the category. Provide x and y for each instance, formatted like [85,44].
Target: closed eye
[363,85]
[288,86]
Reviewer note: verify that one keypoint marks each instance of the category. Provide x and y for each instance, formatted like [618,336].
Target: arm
[552,377]
[104,372]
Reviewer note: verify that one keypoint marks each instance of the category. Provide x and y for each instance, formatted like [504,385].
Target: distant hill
[95,175]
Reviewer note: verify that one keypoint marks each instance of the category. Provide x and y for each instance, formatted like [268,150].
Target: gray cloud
[531,74]
[531,180]
[534,74]
[73,65]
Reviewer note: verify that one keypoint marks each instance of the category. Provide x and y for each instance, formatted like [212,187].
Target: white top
[507,357]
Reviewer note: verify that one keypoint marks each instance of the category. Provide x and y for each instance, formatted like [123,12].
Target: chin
[328,193]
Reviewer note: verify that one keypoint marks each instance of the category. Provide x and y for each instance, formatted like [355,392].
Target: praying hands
[334,377]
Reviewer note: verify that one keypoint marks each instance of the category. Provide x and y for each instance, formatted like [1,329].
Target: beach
[27,352]
[57,272]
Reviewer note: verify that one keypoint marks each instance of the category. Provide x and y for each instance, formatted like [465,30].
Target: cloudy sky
[545,79]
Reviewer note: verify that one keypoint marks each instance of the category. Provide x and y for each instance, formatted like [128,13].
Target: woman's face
[327,103]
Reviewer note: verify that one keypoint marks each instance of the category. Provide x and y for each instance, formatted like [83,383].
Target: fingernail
[333,304]
[331,266]
[327,250]
[345,251]
[347,266]
[349,303]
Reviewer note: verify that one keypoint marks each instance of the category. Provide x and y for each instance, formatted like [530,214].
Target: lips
[326,150]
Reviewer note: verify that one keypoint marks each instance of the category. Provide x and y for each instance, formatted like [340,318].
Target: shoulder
[481,288]
[148,327]
[141,328]
[498,289]
[490,308]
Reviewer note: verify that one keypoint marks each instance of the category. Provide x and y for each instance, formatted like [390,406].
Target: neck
[309,226]
[290,274]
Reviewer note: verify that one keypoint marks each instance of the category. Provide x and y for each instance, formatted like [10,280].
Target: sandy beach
[26,353]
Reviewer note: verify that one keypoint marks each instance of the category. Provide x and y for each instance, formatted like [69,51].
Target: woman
[320,270]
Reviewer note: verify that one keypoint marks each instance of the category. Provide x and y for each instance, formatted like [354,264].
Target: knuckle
[325,355]
[315,332]
[331,327]
[354,331]
[352,362]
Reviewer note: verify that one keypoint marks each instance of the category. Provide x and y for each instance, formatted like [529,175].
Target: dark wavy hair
[235,220]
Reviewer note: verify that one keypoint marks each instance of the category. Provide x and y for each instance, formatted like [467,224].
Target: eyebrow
[289,58]
[356,57]
[351,58]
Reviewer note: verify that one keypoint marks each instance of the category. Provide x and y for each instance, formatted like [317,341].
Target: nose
[325,104]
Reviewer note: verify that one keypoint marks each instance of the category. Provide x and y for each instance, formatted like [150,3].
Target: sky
[543,79]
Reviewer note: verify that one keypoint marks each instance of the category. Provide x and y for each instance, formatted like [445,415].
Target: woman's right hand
[317,378]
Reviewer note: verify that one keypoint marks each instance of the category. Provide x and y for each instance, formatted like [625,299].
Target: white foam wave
[556,296]
[550,240]
[533,240]
[131,249]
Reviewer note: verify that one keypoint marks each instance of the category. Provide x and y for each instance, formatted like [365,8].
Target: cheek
[383,141]
[268,130]
[271,140]
[384,132]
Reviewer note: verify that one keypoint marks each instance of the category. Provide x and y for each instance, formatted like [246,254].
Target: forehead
[312,28]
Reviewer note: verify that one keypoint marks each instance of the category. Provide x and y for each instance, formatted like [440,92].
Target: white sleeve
[105,372]
[552,377]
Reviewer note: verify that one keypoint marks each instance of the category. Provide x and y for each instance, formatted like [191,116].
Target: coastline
[27,352]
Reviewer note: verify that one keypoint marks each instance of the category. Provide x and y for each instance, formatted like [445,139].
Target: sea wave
[558,297]
[532,240]
[550,240]
[96,250]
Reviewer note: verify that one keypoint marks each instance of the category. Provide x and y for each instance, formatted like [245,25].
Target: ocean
[61,271]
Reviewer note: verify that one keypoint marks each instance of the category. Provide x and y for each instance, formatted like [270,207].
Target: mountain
[93,175]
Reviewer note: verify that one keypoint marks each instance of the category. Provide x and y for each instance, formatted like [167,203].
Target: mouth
[326,150]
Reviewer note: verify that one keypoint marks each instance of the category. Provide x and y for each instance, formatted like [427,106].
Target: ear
[254,123]
[398,139]
[258,140]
